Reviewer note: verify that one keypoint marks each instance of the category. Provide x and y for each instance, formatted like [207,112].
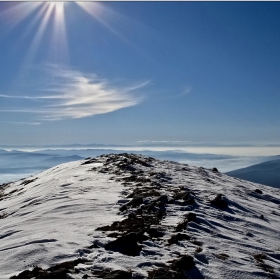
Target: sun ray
[101,13]
[48,12]
[94,9]
[35,21]
[40,32]
[44,14]
[48,16]
[60,48]
[14,15]
[32,50]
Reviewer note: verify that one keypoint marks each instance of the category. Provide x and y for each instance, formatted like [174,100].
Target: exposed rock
[126,244]
[164,273]
[191,217]
[123,208]
[94,245]
[187,197]
[113,274]
[222,256]
[55,272]
[182,225]
[26,182]
[118,274]
[163,198]
[176,270]
[135,201]
[220,201]
[89,160]
[184,263]
[261,264]
[133,224]
[260,257]
[144,192]
[153,232]
[178,237]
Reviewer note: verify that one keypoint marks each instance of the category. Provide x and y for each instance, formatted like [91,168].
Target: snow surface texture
[86,209]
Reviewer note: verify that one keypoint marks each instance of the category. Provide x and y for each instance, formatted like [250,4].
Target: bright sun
[45,14]
[58,7]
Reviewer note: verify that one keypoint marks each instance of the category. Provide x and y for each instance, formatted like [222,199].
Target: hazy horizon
[18,162]
[237,150]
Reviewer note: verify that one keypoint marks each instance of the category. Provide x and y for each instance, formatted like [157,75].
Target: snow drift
[131,216]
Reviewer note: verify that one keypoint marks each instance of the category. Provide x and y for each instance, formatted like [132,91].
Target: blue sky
[123,72]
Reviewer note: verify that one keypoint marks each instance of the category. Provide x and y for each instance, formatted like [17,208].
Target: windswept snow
[88,209]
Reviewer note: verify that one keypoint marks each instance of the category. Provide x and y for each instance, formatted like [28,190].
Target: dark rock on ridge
[220,201]
[176,270]
[127,244]
[55,272]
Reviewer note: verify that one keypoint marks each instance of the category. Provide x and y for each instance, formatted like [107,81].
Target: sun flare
[58,7]
[45,14]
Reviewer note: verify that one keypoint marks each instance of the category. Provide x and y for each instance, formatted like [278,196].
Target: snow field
[52,217]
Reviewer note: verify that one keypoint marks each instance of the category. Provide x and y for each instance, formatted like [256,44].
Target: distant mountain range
[266,173]
[17,164]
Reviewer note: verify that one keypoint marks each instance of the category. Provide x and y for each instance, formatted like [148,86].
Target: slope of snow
[68,212]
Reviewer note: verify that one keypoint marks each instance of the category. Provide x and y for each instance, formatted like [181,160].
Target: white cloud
[22,123]
[73,94]
[16,96]
[163,141]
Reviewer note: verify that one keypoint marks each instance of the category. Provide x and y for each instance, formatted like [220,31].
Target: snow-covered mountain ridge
[132,216]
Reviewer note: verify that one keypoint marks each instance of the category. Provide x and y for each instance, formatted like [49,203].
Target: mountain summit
[131,216]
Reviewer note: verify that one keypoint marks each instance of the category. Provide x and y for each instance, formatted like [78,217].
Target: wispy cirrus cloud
[17,96]
[22,123]
[73,94]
